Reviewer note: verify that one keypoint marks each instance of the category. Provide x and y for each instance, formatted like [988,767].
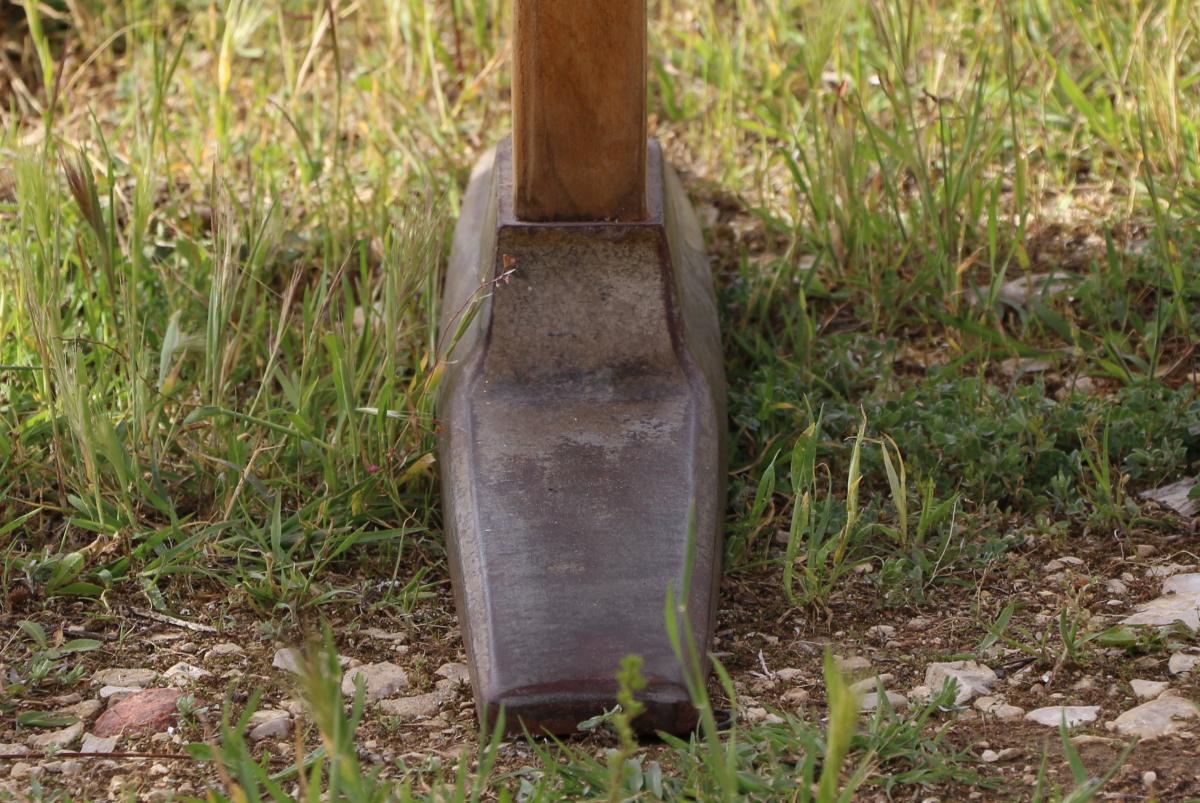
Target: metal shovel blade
[582,416]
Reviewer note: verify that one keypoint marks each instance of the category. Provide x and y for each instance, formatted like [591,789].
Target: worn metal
[582,415]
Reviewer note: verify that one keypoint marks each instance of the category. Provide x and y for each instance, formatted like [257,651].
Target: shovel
[582,405]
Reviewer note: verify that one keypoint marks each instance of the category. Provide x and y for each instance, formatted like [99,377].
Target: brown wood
[579,110]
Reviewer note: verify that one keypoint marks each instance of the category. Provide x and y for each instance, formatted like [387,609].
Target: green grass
[221,230]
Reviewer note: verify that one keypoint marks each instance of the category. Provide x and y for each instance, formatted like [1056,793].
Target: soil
[759,634]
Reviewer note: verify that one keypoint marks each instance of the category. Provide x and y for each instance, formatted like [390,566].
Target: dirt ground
[773,652]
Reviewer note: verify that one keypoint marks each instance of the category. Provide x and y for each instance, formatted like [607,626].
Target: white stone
[295,707]
[70,768]
[1166,610]
[57,739]
[288,659]
[384,635]
[457,672]
[1166,570]
[383,679]
[852,664]
[755,714]
[115,694]
[269,724]
[84,709]
[868,684]
[1175,497]
[224,649]
[796,696]
[881,632]
[989,756]
[128,678]
[1182,584]
[996,707]
[96,744]
[1181,663]
[972,678]
[870,700]
[1160,717]
[1116,587]
[1148,689]
[1052,716]
[185,672]
[420,706]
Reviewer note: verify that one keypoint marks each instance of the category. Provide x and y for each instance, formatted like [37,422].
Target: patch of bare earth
[215,655]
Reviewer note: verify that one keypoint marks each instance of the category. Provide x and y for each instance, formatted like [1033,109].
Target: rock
[971,677]
[128,678]
[989,756]
[383,635]
[1017,292]
[996,707]
[1182,584]
[852,665]
[1175,497]
[754,714]
[920,694]
[1084,683]
[1017,366]
[459,673]
[406,709]
[868,684]
[57,740]
[870,700]
[95,744]
[1052,716]
[917,623]
[1168,609]
[70,768]
[1149,778]
[288,659]
[383,679]
[269,724]
[1166,570]
[115,694]
[1160,717]
[796,696]
[183,672]
[1058,564]
[1181,663]
[86,710]
[295,707]
[789,674]
[147,711]
[1144,550]
[881,632]
[1148,689]
[224,649]
[1116,587]
[10,749]
[20,771]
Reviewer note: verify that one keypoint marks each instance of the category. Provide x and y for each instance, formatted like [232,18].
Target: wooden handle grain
[579,110]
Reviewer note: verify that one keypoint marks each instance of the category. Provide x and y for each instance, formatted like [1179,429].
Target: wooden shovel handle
[579,110]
